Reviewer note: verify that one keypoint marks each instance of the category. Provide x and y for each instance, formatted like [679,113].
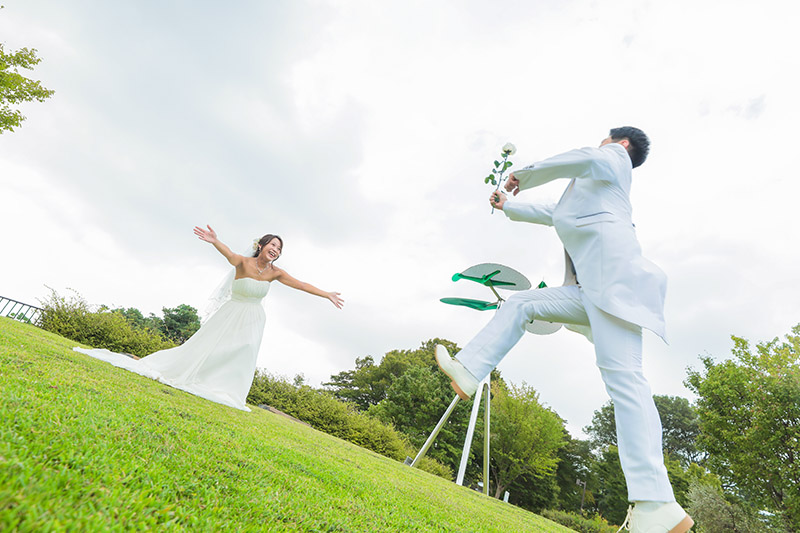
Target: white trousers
[618,348]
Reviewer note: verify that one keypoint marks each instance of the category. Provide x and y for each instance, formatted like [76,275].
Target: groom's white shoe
[464,383]
[657,517]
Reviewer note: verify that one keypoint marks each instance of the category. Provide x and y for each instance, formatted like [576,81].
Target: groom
[610,293]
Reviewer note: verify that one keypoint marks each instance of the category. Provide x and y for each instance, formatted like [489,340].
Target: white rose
[509,149]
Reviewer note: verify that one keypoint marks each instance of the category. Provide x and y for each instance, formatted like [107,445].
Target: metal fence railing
[21,311]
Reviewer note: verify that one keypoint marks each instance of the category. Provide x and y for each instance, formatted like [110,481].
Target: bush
[73,318]
[594,524]
[713,513]
[324,412]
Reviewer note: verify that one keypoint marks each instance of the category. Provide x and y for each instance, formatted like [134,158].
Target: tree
[679,422]
[534,492]
[612,493]
[749,408]
[713,513]
[681,427]
[576,462]
[525,436]
[137,319]
[179,323]
[365,386]
[16,88]
[368,383]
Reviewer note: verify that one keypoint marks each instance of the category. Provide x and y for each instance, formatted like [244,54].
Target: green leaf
[506,165]
[494,182]
[496,164]
[488,179]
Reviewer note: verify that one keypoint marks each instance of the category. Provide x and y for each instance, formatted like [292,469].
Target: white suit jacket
[593,221]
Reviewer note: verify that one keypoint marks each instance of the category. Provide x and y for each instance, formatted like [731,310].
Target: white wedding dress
[218,362]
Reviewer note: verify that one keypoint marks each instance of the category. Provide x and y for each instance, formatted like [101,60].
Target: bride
[218,362]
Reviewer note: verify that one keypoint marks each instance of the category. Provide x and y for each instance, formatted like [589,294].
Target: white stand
[487,274]
[483,390]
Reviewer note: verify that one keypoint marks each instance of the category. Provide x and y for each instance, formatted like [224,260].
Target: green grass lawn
[85,446]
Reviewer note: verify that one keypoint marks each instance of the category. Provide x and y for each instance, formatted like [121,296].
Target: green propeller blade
[494,275]
[480,305]
[484,280]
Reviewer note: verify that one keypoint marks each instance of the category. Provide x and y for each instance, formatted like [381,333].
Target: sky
[361,131]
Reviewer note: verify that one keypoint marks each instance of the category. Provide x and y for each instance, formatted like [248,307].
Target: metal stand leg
[486,435]
[483,390]
[473,418]
[435,431]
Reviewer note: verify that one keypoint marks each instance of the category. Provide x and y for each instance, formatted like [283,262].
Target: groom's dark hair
[640,144]
[265,240]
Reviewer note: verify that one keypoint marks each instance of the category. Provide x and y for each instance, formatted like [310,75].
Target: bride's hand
[203,235]
[335,299]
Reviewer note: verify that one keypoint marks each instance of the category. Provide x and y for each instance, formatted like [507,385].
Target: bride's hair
[265,241]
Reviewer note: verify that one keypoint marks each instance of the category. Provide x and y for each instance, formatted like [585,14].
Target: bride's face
[272,250]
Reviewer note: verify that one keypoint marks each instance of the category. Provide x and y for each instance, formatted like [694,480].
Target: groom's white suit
[610,293]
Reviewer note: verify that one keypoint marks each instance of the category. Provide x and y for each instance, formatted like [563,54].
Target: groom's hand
[512,185]
[497,200]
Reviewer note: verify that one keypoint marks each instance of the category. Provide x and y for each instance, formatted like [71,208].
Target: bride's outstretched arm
[289,281]
[210,235]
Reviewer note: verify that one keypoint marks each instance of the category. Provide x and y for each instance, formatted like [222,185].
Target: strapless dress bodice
[249,290]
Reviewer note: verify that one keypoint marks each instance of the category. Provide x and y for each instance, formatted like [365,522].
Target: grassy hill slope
[90,447]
